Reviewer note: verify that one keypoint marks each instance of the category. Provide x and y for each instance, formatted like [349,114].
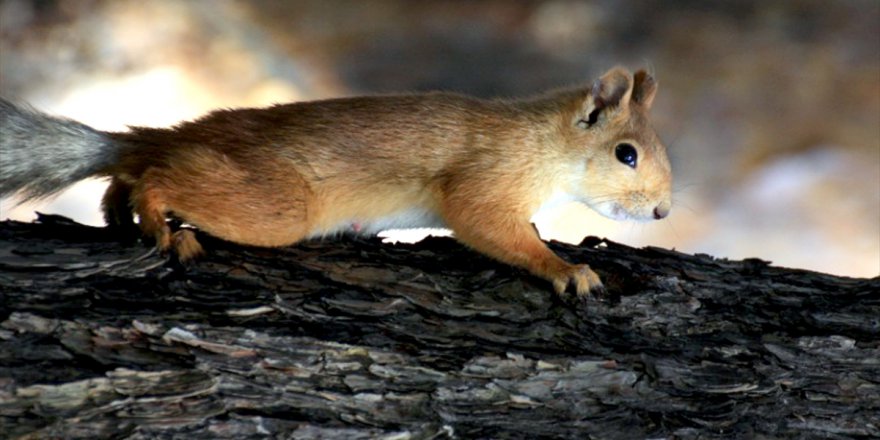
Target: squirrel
[278,175]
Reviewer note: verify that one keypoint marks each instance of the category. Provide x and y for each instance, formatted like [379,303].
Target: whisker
[683,187]
[682,204]
[674,231]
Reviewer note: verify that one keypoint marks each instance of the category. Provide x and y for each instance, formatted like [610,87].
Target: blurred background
[770,109]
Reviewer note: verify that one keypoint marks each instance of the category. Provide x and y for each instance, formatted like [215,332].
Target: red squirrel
[279,175]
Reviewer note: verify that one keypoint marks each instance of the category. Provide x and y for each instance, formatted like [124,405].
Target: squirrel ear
[609,95]
[644,89]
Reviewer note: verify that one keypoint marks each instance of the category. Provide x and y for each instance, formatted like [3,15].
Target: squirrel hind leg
[116,206]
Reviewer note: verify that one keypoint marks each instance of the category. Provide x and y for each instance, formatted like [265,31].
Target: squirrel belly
[406,219]
[278,175]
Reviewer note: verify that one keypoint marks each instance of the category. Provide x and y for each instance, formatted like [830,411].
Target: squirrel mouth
[615,211]
[619,213]
[611,210]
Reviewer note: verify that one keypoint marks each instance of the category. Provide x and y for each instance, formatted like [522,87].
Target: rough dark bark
[352,338]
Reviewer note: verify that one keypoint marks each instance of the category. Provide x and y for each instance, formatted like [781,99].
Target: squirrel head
[626,172]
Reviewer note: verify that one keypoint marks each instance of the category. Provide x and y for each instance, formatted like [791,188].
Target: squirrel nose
[661,211]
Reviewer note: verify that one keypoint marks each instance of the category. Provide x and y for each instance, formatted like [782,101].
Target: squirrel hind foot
[150,204]
[185,245]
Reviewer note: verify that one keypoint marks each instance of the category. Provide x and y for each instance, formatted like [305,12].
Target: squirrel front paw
[580,276]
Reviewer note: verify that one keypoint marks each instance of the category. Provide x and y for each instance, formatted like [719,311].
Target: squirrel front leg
[508,236]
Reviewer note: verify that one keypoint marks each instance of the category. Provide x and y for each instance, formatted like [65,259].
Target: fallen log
[354,338]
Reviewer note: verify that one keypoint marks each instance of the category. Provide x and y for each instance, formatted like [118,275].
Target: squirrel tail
[42,154]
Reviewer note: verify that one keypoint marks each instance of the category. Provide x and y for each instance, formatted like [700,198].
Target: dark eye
[627,154]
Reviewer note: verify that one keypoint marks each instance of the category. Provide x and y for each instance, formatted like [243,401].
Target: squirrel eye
[627,154]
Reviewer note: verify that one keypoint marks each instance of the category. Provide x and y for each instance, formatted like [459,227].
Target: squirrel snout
[661,211]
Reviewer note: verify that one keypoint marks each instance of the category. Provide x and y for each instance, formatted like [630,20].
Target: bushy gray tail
[41,154]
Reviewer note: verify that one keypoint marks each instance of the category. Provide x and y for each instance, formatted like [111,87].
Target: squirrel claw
[600,290]
[582,278]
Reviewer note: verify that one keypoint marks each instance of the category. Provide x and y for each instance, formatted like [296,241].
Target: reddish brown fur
[274,176]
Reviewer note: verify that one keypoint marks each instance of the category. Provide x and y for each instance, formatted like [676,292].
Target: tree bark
[352,338]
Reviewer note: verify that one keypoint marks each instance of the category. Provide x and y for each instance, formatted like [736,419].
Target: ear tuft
[613,89]
[608,97]
[644,89]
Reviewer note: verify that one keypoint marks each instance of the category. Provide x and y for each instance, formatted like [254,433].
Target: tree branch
[352,338]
